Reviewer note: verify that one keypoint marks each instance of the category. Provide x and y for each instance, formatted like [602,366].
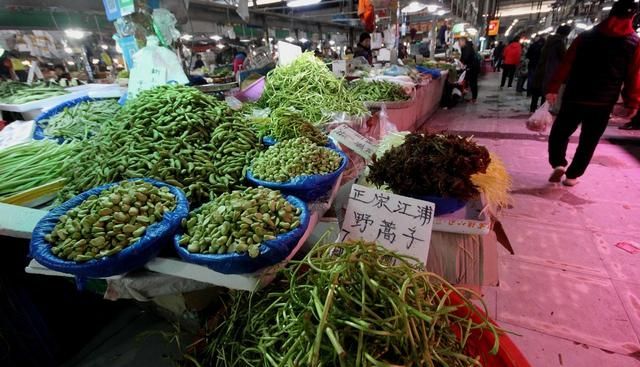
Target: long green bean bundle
[378,91]
[308,86]
[28,165]
[174,134]
[352,304]
[19,93]
[81,120]
[285,124]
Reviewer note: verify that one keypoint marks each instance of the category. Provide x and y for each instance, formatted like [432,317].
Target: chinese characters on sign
[143,78]
[354,141]
[397,222]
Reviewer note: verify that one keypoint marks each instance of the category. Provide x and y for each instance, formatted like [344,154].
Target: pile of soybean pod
[349,305]
[19,93]
[80,121]
[171,133]
[29,165]
[293,158]
[378,91]
[308,86]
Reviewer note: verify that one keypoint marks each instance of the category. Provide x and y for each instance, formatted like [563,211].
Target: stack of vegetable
[80,121]
[19,93]
[286,123]
[293,158]
[349,304]
[29,165]
[308,86]
[105,224]
[239,222]
[174,134]
[377,91]
[431,165]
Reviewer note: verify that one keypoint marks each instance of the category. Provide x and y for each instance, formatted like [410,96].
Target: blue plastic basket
[130,258]
[444,205]
[308,188]
[271,252]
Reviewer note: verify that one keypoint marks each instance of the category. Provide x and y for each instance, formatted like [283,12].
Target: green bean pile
[350,304]
[19,93]
[308,86]
[80,121]
[284,124]
[174,134]
[378,91]
[29,165]
[239,222]
[293,158]
[106,223]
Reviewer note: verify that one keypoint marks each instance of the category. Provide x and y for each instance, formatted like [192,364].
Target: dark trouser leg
[534,102]
[473,83]
[594,124]
[563,127]
[520,84]
[505,69]
[512,74]
[635,121]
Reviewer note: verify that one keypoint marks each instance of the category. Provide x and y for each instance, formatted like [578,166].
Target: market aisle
[568,291]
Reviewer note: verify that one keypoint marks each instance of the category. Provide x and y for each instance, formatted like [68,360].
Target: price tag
[353,140]
[111,9]
[126,7]
[399,223]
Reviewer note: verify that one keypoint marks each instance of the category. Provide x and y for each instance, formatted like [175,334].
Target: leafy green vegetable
[431,165]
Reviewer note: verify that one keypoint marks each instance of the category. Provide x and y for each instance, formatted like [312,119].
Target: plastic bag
[540,119]
[130,258]
[308,188]
[165,21]
[15,133]
[271,252]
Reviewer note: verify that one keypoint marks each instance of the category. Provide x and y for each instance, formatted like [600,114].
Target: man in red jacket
[511,59]
[594,69]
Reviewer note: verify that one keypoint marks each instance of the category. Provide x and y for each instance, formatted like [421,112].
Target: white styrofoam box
[31,110]
[16,132]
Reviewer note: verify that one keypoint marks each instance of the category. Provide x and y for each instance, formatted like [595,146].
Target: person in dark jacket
[469,57]
[550,57]
[596,66]
[364,48]
[497,56]
[533,55]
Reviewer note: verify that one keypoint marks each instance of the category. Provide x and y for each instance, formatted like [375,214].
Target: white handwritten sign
[354,141]
[143,78]
[399,223]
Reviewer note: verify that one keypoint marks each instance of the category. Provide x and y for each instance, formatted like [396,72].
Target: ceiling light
[569,21]
[186,37]
[299,3]
[442,12]
[25,62]
[607,8]
[289,39]
[581,26]
[74,33]
[68,50]
[104,47]
[332,42]
[216,38]
[304,40]
[95,61]
[534,35]
[70,63]
[245,40]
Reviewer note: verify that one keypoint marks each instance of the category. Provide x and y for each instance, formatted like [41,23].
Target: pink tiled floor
[570,294]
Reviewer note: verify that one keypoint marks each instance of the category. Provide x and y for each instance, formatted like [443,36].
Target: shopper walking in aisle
[596,66]
[469,57]
[533,56]
[498,52]
[522,71]
[510,61]
[550,58]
